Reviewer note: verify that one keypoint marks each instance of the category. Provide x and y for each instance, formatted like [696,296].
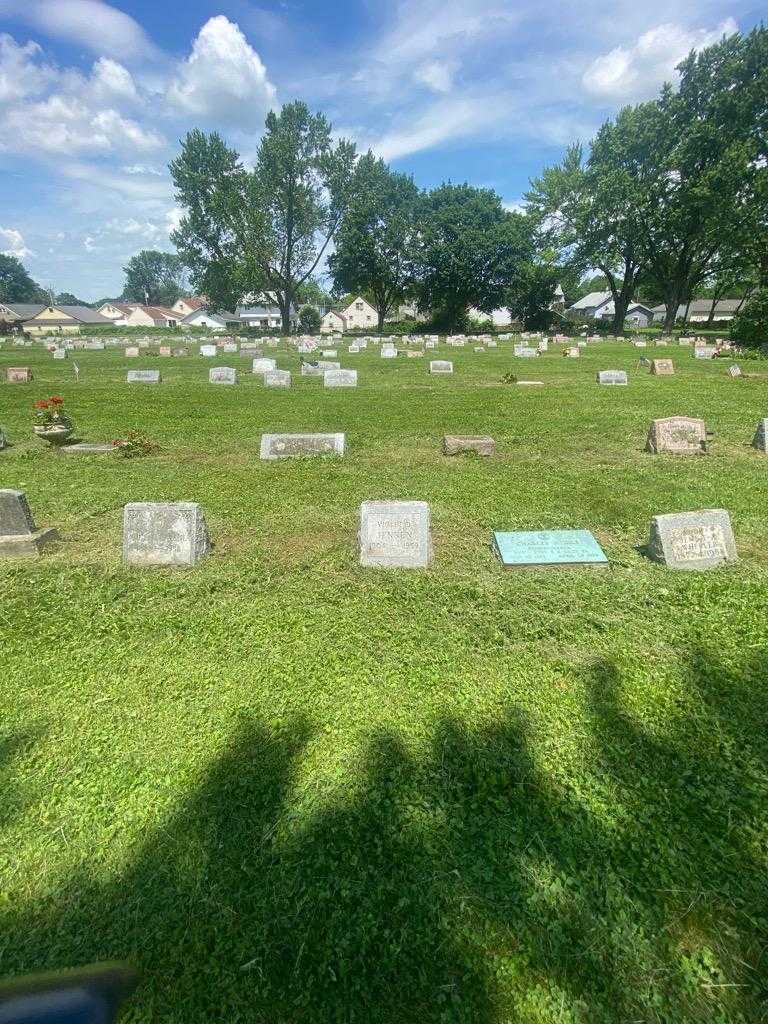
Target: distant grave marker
[662,367]
[340,378]
[277,378]
[208,351]
[143,377]
[612,377]
[677,435]
[222,375]
[760,440]
[440,366]
[262,365]
[292,446]
[18,375]
[454,444]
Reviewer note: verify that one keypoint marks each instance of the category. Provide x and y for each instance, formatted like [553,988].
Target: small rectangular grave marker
[524,352]
[222,375]
[170,533]
[87,448]
[662,367]
[678,435]
[340,378]
[692,540]
[132,352]
[704,352]
[262,365]
[440,366]
[19,537]
[395,534]
[735,371]
[612,377]
[277,378]
[554,548]
[208,351]
[165,351]
[143,377]
[454,444]
[18,375]
[291,446]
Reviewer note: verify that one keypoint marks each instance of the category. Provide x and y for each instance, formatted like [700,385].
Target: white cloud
[442,121]
[21,74]
[89,23]
[12,243]
[438,75]
[141,169]
[223,79]
[111,80]
[636,71]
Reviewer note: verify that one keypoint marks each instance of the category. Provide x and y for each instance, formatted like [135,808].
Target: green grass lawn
[291,790]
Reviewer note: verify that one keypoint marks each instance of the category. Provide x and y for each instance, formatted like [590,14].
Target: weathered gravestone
[277,378]
[760,440]
[170,533]
[208,351]
[573,353]
[528,549]
[329,353]
[262,365]
[222,375]
[18,375]
[640,344]
[692,540]
[165,351]
[3,440]
[388,353]
[543,346]
[735,371]
[679,435]
[612,377]
[440,366]
[132,352]
[143,377]
[19,537]
[311,370]
[454,444]
[60,353]
[292,446]
[88,448]
[524,352]
[353,349]
[395,534]
[325,364]
[340,378]
[662,367]
[704,352]
[415,355]
[229,347]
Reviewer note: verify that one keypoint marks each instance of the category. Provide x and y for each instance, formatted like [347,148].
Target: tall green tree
[467,253]
[15,283]
[262,231]
[375,242]
[153,277]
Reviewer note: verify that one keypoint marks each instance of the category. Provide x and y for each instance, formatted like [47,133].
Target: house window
[358,305]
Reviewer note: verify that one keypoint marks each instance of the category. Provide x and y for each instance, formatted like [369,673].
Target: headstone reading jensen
[340,378]
[18,375]
[262,365]
[222,375]
[662,367]
[760,440]
[291,446]
[679,435]
[454,444]
[735,371]
[164,533]
[613,377]
[555,548]
[208,351]
[692,540]
[440,366]
[143,377]
[19,537]
[277,378]
[395,534]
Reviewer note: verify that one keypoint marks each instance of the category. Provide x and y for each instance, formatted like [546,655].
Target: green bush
[750,325]
[309,320]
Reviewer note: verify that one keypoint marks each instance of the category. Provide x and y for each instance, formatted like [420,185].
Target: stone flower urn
[55,433]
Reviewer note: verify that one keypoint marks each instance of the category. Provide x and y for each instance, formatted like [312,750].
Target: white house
[183,307]
[220,321]
[263,316]
[333,323]
[360,315]
[699,310]
[591,305]
[149,316]
[114,310]
[600,306]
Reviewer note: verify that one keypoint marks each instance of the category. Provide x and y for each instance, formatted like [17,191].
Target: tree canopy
[15,283]
[154,277]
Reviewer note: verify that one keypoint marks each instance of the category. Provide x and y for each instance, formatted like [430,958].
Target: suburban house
[148,316]
[700,309]
[333,323]
[114,310]
[263,316]
[220,321]
[600,306]
[360,315]
[183,307]
[37,318]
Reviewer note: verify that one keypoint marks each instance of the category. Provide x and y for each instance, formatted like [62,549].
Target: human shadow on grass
[475,883]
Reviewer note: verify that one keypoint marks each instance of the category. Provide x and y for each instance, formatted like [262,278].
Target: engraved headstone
[291,446]
[329,353]
[18,375]
[229,347]
[554,548]
[262,365]
[340,378]
[395,534]
[440,366]
[704,352]
[662,367]
[524,352]
[143,377]
[208,351]
[679,435]
[222,375]
[165,351]
[19,537]
[573,353]
[170,533]
[277,378]
[311,370]
[132,352]
[735,371]
[760,440]
[612,377]
[388,353]
[692,540]
[454,444]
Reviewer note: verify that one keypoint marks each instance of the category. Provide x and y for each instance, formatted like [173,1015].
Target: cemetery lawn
[295,791]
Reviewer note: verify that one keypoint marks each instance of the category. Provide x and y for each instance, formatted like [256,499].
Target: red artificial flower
[42,404]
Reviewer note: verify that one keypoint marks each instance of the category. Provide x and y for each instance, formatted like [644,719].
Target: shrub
[309,320]
[135,445]
[750,325]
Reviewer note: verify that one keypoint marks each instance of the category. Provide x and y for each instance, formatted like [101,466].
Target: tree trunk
[620,306]
[672,302]
[711,316]
[380,314]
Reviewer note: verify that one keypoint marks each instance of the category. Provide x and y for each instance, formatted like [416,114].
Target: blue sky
[94,98]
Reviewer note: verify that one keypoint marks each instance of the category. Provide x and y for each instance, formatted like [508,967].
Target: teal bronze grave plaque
[529,549]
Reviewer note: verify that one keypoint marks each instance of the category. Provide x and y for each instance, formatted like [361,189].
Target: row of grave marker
[392,534]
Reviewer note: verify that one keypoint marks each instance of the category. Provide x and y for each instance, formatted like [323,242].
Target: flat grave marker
[455,444]
[340,379]
[662,367]
[528,549]
[293,446]
[440,366]
[143,377]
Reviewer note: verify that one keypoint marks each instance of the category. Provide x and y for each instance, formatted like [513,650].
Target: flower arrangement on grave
[509,378]
[135,445]
[51,421]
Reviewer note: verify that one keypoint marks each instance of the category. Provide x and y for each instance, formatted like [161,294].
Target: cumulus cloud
[636,71]
[12,243]
[22,72]
[223,79]
[437,75]
[90,23]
